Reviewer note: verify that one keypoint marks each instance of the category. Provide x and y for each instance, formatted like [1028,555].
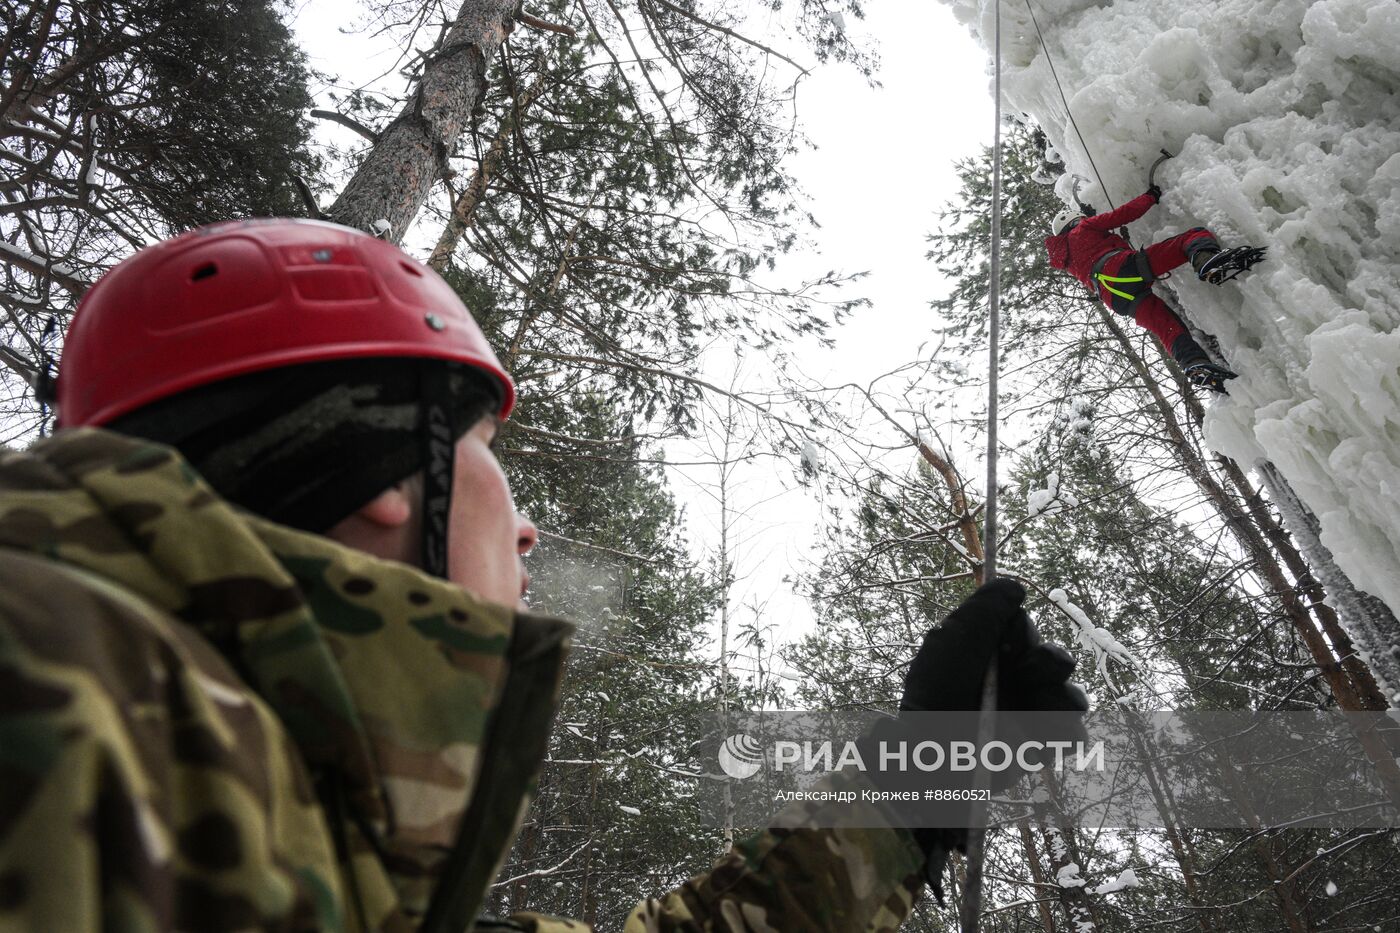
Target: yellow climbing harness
[1123,300]
[1105,279]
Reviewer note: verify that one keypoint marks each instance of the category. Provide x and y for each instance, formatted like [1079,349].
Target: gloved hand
[948,672]
[1155,191]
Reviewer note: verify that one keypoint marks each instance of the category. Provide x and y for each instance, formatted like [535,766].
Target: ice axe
[1084,209]
[1152,172]
[1151,180]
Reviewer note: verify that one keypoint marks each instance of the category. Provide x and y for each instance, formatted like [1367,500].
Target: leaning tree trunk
[1171,825]
[1369,622]
[464,205]
[1292,910]
[1058,837]
[1344,676]
[1364,682]
[1074,900]
[410,154]
[1047,919]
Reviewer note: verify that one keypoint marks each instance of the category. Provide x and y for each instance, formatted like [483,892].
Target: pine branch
[348,122]
[731,33]
[537,23]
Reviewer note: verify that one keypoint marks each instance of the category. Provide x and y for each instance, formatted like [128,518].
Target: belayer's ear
[392,508]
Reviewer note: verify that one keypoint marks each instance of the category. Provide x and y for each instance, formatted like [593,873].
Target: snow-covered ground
[1284,116]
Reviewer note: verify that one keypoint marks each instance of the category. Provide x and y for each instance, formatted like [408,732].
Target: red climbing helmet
[248,295]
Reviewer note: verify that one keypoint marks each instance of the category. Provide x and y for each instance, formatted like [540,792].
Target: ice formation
[1284,118]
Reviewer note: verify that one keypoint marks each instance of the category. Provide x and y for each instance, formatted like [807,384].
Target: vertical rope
[977,837]
[1050,60]
[989,528]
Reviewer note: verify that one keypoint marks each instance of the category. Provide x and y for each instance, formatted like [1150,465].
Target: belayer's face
[487,537]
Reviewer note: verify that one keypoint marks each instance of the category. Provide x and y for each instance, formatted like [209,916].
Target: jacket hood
[393,684]
[1058,248]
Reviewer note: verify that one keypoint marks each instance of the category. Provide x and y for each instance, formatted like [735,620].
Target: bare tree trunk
[398,173]
[1075,900]
[586,895]
[541,302]
[1078,904]
[1350,679]
[1367,690]
[1286,892]
[972,539]
[726,583]
[1047,919]
[1246,532]
[520,891]
[1166,807]
[957,497]
[1369,621]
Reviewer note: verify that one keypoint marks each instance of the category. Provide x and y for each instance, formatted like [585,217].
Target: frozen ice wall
[1285,119]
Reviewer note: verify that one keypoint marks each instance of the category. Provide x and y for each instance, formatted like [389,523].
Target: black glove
[948,672]
[1155,191]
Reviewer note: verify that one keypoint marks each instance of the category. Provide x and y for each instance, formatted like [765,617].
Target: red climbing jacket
[1077,250]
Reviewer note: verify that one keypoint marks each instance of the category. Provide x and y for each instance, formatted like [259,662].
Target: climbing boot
[1210,376]
[1217,268]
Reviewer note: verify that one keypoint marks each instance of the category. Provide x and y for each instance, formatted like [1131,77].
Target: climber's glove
[947,675]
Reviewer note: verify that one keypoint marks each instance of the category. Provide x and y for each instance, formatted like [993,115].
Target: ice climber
[263,657]
[1087,248]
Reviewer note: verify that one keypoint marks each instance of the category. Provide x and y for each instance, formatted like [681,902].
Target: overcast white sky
[881,169]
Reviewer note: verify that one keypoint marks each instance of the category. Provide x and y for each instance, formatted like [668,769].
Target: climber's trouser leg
[1153,314]
[1167,255]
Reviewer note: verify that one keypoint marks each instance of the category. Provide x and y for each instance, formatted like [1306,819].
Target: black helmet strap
[439,452]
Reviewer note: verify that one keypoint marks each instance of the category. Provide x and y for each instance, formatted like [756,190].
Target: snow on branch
[42,267]
[1098,640]
[1068,876]
[1051,500]
[544,872]
[1127,879]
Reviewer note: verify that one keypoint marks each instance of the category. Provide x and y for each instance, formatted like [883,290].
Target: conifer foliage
[122,122]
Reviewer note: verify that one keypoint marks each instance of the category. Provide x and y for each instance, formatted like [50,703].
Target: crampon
[1226,264]
[1210,376]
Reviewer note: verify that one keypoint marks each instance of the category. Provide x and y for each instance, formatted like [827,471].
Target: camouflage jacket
[211,722]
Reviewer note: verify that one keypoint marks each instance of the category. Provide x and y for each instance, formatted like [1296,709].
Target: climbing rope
[986,725]
[989,528]
[1050,59]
